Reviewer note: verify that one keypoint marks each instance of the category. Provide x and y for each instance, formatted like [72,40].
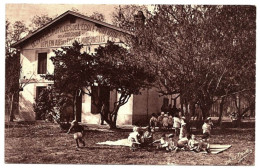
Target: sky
[27,11]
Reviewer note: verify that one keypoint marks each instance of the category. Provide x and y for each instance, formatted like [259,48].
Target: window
[42,63]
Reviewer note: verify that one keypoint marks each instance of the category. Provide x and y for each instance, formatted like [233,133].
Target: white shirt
[177,122]
[206,128]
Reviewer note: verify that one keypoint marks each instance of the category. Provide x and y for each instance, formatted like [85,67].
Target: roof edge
[18,43]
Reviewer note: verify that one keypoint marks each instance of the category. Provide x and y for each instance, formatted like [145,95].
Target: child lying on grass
[79,132]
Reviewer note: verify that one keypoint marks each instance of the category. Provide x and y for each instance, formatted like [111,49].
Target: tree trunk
[221,110]
[11,119]
[74,105]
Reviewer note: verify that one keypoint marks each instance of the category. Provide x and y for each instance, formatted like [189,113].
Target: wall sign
[82,31]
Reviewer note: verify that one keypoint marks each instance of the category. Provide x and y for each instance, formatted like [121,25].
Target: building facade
[36,49]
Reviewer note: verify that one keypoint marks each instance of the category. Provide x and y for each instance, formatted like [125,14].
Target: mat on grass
[214,148]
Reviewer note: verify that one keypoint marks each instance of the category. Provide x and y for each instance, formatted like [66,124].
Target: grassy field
[47,143]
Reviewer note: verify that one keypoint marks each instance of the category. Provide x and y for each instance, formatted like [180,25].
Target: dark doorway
[101,96]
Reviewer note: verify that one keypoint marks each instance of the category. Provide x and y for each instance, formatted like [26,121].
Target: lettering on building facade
[84,32]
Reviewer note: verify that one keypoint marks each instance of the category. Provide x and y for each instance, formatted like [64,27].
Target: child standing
[160,120]
[210,122]
[79,132]
[206,128]
[153,122]
[183,131]
[165,121]
[170,122]
[176,124]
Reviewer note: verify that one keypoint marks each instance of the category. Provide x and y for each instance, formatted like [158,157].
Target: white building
[37,48]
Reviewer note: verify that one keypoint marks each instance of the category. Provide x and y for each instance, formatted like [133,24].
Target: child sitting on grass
[171,144]
[204,144]
[182,144]
[163,143]
[79,132]
[135,138]
[193,143]
[148,137]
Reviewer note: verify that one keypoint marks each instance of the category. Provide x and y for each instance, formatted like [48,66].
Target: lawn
[47,143]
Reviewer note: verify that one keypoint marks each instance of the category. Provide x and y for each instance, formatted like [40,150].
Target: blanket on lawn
[214,148]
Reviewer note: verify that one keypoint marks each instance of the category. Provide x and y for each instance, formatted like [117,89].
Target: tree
[131,79]
[98,16]
[39,21]
[13,67]
[199,51]
[77,72]
[123,16]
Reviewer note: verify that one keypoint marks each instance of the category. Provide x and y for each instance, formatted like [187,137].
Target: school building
[36,49]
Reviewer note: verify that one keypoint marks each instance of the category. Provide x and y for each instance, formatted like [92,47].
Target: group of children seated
[138,138]
[167,121]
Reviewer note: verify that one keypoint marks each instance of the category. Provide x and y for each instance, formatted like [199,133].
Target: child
[171,144]
[210,122]
[183,131]
[165,121]
[79,132]
[148,136]
[204,144]
[206,128]
[134,138]
[160,118]
[163,143]
[176,124]
[170,122]
[182,144]
[153,122]
[193,143]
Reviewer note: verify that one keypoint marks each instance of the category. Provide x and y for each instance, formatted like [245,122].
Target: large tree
[201,52]
[112,67]
[14,32]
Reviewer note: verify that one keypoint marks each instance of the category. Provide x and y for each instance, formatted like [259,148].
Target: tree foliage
[123,16]
[39,21]
[111,67]
[201,52]
[98,16]
[13,33]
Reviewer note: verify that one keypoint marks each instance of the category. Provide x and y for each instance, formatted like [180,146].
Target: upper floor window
[42,63]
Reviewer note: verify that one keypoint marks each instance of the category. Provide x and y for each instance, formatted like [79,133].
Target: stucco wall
[145,104]
[124,114]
